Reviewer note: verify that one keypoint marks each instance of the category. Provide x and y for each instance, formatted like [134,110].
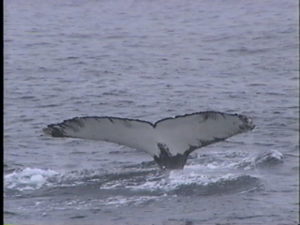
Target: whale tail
[169,141]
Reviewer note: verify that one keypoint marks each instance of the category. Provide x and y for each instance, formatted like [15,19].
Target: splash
[28,179]
[195,180]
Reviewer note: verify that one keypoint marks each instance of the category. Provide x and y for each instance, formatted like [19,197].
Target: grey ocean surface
[149,60]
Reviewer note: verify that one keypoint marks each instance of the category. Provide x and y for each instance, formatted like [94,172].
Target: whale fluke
[169,141]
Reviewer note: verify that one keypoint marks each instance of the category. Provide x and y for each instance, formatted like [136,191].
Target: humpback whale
[169,141]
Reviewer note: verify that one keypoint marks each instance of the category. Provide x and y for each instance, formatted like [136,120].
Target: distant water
[148,60]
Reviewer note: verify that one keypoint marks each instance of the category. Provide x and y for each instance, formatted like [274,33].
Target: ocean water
[150,59]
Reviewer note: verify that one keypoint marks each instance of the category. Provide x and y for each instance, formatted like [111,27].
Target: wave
[212,176]
[195,181]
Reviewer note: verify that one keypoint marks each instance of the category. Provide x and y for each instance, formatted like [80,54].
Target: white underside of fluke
[178,134]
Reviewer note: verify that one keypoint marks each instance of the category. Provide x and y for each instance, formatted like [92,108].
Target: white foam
[28,178]
[189,175]
[122,200]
